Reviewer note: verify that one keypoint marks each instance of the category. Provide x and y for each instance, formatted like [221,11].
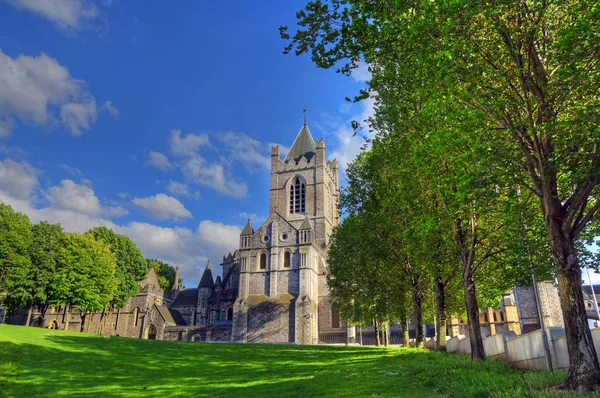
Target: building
[274,286]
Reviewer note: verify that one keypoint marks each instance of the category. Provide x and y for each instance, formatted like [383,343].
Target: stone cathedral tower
[283,294]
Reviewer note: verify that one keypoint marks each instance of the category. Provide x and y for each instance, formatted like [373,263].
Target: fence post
[505,343]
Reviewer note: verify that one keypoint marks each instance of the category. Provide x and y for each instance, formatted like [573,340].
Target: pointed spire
[305,116]
[248,230]
[207,278]
[304,145]
[306,224]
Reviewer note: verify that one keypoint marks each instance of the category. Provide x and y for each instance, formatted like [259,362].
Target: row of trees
[42,266]
[488,148]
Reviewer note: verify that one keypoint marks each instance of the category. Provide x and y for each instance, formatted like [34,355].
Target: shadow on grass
[60,364]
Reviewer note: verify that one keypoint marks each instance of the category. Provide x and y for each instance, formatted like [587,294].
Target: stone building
[273,288]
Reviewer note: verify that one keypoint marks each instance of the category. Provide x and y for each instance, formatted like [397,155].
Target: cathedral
[273,288]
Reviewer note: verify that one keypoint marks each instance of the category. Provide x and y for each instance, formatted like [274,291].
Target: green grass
[47,363]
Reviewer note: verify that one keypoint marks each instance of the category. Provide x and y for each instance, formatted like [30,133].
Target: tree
[15,263]
[47,239]
[131,265]
[530,71]
[86,274]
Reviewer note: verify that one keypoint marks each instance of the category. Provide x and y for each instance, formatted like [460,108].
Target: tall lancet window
[297,196]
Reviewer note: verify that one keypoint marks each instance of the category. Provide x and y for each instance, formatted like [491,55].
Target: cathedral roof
[186,298]
[207,278]
[248,230]
[304,145]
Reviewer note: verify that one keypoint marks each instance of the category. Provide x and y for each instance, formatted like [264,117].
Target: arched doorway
[151,332]
[53,325]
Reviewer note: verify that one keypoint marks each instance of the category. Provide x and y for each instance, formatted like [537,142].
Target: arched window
[335,316]
[287,259]
[136,316]
[263,261]
[194,313]
[297,196]
[230,314]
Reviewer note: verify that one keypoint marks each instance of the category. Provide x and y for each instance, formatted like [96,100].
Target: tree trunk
[386,334]
[29,311]
[405,334]
[90,321]
[67,316]
[418,306]
[584,370]
[440,295]
[377,338]
[477,352]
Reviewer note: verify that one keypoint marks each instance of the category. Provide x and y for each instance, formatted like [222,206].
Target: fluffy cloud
[220,237]
[110,108]
[18,179]
[40,91]
[162,207]
[197,170]
[177,246]
[74,171]
[6,127]
[187,144]
[67,14]
[158,160]
[69,195]
[181,189]
[348,144]
[245,149]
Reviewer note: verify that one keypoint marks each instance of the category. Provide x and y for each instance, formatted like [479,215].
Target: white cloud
[6,127]
[67,14]
[74,171]
[158,160]
[245,149]
[69,195]
[221,237]
[181,189]
[187,144]
[254,219]
[361,74]
[349,145]
[18,179]
[197,170]
[162,207]
[177,246]
[108,106]
[40,91]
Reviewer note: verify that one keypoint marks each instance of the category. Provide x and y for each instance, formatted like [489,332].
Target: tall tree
[15,262]
[530,70]
[131,265]
[86,274]
[47,239]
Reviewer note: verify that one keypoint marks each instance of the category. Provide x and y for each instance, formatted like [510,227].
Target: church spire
[207,278]
[304,145]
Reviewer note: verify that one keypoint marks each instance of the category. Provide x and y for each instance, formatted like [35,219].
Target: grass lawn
[47,363]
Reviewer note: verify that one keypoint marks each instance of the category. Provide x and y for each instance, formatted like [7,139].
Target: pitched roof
[207,278]
[304,145]
[306,224]
[248,230]
[165,314]
[186,298]
[588,289]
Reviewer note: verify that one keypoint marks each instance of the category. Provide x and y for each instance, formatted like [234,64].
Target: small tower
[205,288]
[305,231]
[176,285]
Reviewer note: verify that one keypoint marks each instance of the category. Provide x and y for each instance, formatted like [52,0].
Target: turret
[205,288]
[306,231]
[246,235]
[176,282]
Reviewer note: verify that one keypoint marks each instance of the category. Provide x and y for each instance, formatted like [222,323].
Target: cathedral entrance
[151,332]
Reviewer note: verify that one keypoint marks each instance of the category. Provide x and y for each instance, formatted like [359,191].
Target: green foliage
[131,265]
[15,264]
[86,273]
[164,273]
[47,239]
[310,371]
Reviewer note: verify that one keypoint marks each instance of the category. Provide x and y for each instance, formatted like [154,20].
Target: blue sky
[157,121]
